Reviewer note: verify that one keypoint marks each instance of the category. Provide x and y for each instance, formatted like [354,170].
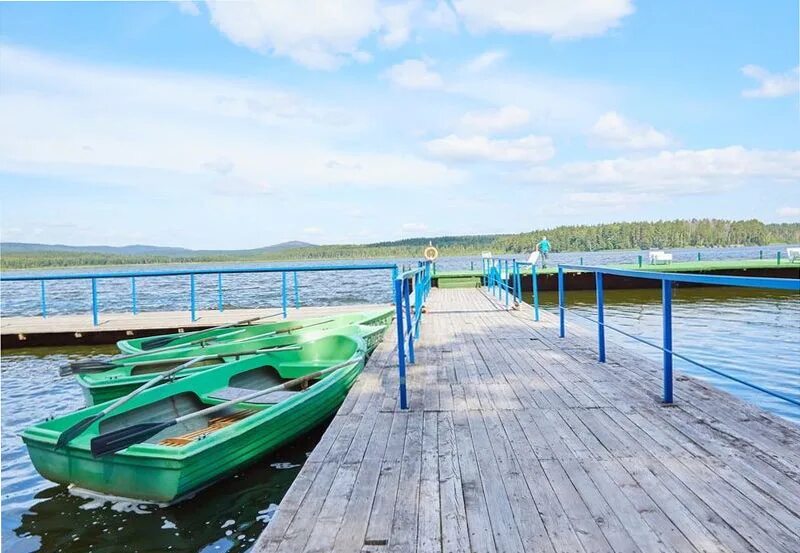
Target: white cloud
[495,120]
[414,74]
[312,230]
[485,61]
[315,33]
[771,85]
[142,130]
[788,211]
[557,18]
[676,172]
[615,131]
[397,22]
[530,149]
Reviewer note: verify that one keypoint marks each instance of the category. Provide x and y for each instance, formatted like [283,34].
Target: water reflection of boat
[230,514]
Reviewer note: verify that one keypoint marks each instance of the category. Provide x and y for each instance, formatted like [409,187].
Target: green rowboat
[99,387]
[244,331]
[184,458]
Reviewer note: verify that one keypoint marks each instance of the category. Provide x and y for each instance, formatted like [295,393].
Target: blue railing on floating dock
[192,274]
[667,280]
[496,276]
[408,323]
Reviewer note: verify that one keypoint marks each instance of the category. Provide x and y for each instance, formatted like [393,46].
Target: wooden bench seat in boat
[232,392]
[213,424]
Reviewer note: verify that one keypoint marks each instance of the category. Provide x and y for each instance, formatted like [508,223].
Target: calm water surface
[753,334]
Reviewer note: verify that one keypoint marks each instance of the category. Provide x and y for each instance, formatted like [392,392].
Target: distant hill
[141,249]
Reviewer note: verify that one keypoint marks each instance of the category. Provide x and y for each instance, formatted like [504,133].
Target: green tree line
[633,235]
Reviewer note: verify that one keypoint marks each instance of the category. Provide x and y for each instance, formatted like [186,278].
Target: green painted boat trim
[219,336]
[159,473]
[114,383]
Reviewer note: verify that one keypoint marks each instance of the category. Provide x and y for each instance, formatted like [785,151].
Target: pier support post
[561,302]
[666,299]
[192,301]
[640,261]
[44,302]
[505,281]
[601,327]
[95,314]
[134,307]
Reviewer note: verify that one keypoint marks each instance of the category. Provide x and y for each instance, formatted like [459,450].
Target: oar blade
[88,366]
[76,430]
[117,440]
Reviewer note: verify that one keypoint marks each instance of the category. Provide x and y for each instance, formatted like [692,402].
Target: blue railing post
[44,302]
[601,328]
[134,307]
[192,299]
[581,260]
[95,314]
[296,292]
[394,277]
[561,302]
[407,301]
[640,261]
[505,281]
[666,299]
[761,254]
[401,347]
[417,304]
[535,287]
[698,256]
[283,293]
[779,257]
[220,304]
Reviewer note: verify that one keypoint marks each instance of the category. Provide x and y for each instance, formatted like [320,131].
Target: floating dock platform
[547,279]
[517,440]
[75,330]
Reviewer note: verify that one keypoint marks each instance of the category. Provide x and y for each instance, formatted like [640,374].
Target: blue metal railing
[496,274]
[667,280]
[192,274]
[408,324]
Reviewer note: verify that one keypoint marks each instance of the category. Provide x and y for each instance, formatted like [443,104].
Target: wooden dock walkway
[517,440]
[78,329]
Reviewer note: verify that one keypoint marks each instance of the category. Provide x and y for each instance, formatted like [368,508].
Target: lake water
[753,334]
[264,289]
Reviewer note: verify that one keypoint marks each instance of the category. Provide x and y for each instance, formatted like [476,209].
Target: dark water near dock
[38,515]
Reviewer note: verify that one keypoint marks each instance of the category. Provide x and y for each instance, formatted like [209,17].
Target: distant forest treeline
[635,235]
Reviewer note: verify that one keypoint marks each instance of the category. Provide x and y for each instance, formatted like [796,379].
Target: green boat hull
[114,383]
[216,336]
[158,473]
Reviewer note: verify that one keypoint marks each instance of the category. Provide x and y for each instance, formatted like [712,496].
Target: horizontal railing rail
[667,281]
[409,320]
[193,273]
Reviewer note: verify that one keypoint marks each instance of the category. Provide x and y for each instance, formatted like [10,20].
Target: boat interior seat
[232,392]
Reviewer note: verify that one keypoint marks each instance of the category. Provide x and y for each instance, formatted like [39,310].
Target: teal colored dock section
[518,440]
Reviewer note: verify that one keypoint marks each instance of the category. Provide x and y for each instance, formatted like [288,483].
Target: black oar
[79,427]
[117,440]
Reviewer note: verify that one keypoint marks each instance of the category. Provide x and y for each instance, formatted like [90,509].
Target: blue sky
[239,124]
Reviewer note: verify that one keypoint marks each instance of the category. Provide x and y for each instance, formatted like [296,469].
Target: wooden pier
[64,330]
[518,440]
